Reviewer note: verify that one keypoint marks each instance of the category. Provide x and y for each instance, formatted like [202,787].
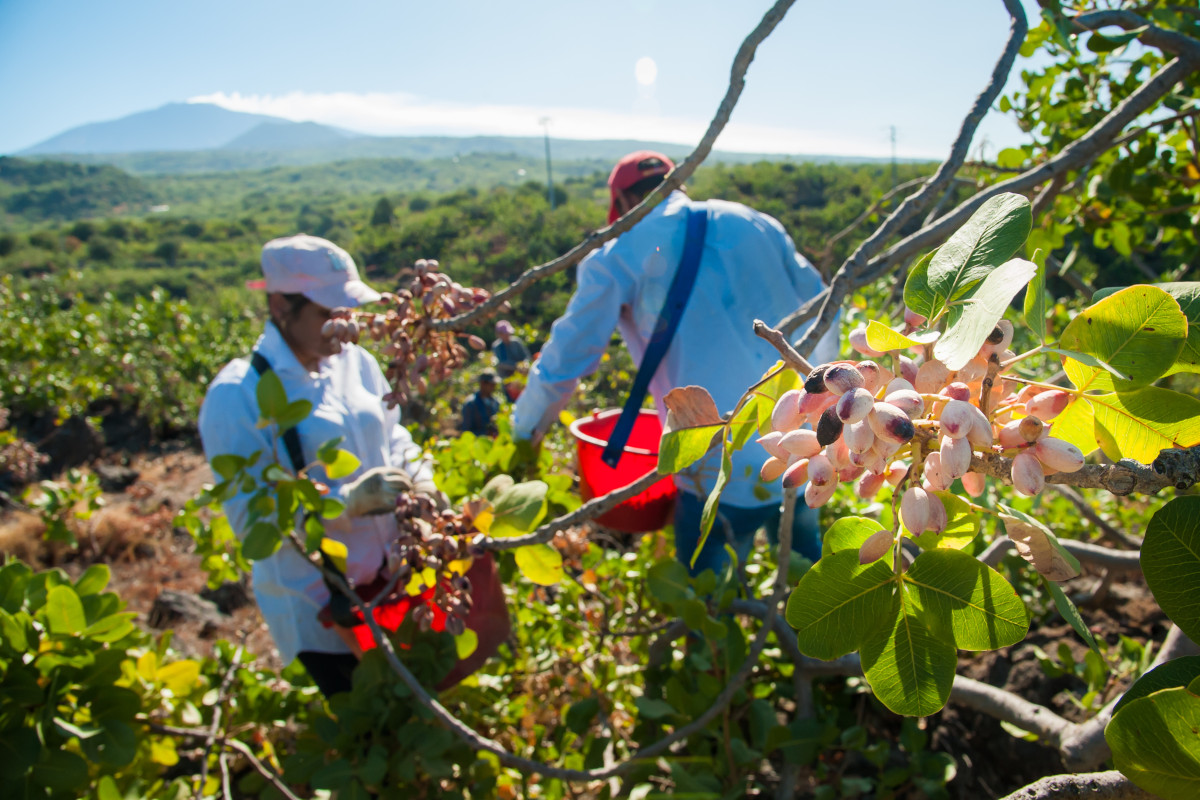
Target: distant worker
[745,268]
[478,413]
[509,350]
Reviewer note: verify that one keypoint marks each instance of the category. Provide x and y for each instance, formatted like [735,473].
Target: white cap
[314,267]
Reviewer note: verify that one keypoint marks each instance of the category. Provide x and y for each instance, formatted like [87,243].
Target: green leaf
[909,669]
[327,452]
[226,465]
[1140,331]
[883,339]
[839,603]
[1034,308]
[62,770]
[1142,423]
[93,580]
[681,448]
[466,643]
[580,714]
[1171,562]
[274,473]
[650,708]
[1174,673]
[983,307]
[1010,158]
[958,596]
[668,581]
[1089,360]
[990,237]
[261,542]
[272,399]
[63,611]
[1070,613]
[518,509]
[12,632]
[774,382]
[293,414]
[1106,43]
[848,533]
[693,422]
[344,463]
[962,525]
[331,507]
[1187,294]
[709,515]
[495,487]
[918,295]
[1155,742]
[110,628]
[1077,425]
[540,563]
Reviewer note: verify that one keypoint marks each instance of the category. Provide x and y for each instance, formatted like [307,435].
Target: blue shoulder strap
[664,332]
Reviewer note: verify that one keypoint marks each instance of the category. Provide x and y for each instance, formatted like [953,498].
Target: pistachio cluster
[431,541]
[419,355]
[919,424]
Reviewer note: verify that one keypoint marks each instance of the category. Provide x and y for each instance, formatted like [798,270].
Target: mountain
[175,126]
[189,138]
[284,135]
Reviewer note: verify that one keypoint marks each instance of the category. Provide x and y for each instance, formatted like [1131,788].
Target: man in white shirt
[749,269]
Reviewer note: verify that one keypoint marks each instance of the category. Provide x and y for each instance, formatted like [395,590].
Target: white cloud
[398,114]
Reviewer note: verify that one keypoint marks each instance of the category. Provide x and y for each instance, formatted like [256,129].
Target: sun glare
[645,70]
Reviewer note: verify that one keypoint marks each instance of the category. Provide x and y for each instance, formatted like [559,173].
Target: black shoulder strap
[340,606]
[291,439]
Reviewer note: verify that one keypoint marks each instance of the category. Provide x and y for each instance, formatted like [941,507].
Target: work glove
[375,492]
[428,488]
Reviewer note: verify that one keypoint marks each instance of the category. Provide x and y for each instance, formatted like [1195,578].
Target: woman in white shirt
[305,278]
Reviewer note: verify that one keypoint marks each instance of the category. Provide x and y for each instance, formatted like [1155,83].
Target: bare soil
[133,533]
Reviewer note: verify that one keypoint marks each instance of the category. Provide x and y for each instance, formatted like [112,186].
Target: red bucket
[648,511]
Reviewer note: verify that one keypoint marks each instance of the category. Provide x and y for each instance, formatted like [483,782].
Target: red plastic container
[648,511]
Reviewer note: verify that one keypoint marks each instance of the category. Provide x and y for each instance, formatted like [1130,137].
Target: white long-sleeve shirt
[749,269]
[346,393]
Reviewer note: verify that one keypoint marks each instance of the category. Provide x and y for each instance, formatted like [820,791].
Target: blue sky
[832,78]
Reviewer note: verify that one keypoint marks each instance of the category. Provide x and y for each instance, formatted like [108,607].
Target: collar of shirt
[276,350]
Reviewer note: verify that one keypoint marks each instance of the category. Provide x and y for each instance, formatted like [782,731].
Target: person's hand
[375,492]
[430,490]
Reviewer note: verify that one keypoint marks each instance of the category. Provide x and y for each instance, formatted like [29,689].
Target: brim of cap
[349,294]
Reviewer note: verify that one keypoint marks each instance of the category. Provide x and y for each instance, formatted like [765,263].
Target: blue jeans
[743,523]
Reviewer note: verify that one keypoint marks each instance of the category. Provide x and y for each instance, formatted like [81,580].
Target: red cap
[631,169]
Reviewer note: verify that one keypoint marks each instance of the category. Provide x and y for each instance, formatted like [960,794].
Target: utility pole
[895,182]
[545,122]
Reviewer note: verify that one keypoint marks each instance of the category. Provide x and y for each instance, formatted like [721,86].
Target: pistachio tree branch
[737,82]
[790,357]
[530,766]
[1168,41]
[589,510]
[1124,477]
[1078,154]
[1072,157]
[1109,785]
[848,275]
[1095,555]
[225,741]
[1085,508]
